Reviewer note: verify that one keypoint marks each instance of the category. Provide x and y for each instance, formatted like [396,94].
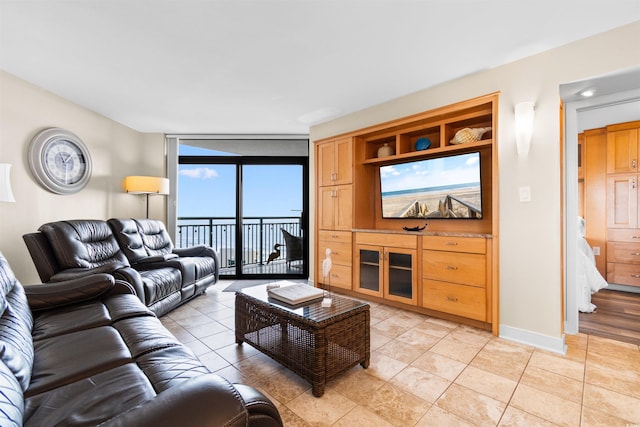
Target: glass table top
[312,310]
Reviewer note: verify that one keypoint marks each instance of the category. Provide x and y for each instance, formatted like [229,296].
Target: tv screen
[444,187]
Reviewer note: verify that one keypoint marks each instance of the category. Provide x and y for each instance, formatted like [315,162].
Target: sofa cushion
[91,400]
[83,244]
[169,367]
[70,357]
[155,237]
[16,321]
[77,317]
[130,240]
[11,398]
[144,334]
[159,283]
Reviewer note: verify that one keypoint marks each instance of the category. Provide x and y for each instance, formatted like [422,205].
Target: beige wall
[530,233]
[116,151]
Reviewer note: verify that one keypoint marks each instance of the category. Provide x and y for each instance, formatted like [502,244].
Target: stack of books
[296,294]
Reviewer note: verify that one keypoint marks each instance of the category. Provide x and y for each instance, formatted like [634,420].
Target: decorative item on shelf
[416,228]
[469,135]
[386,150]
[422,143]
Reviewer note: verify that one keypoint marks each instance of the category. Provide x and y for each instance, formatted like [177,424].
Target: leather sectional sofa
[87,352]
[138,251]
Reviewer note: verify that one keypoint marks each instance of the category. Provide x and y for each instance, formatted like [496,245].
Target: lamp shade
[6,194]
[524,126]
[146,185]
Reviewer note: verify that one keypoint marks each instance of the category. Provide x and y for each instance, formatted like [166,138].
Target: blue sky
[460,169]
[210,190]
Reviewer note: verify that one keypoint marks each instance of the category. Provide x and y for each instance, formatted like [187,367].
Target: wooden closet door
[622,203]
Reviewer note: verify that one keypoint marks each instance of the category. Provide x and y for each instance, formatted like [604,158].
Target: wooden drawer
[334,236]
[623,274]
[340,276]
[623,252]
[388,239]
[340,251]
[463,268]
[477,245]
[461,300]
[623,235]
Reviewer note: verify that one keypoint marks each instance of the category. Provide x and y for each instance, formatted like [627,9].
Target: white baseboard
[534,339]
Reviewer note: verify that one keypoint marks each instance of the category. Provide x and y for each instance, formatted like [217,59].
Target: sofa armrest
[200,251]
[206,400]
[74,273]
[57,294]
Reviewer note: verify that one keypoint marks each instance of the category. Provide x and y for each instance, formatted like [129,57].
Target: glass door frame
[239,162]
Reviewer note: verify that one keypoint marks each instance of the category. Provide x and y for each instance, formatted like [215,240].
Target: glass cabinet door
[400,275]
[370,270]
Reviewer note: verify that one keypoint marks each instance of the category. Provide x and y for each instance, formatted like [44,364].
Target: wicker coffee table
[318,343]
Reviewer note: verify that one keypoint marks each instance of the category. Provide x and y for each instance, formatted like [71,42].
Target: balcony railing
[259,235]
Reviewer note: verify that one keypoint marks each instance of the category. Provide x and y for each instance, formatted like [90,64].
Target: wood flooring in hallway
[617,316]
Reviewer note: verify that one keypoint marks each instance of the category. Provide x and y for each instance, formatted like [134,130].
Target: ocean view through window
[224,199]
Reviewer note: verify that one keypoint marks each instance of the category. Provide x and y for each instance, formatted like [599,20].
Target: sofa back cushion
[83,244]
[129,238]
[16,322]
[155,237]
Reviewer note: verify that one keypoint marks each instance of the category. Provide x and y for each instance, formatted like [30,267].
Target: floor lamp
[147,185]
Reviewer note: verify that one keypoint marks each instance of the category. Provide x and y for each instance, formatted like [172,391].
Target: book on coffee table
[295,294]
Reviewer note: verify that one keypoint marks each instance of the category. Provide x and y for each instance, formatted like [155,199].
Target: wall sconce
[6,194]
[147,185]
[524,127]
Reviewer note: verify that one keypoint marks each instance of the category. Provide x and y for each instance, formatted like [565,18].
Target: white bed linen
[589,278]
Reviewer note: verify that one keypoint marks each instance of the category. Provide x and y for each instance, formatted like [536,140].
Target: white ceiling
[273,66]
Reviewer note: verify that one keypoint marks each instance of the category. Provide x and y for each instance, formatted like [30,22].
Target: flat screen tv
[444,187]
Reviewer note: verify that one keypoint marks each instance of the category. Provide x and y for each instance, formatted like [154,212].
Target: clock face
[65,162]
[60,161]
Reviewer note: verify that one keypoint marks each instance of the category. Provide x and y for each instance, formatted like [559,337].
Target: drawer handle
[635,237]
[450,267]
[453,299]
[451,243]
[635,275]
[635,253]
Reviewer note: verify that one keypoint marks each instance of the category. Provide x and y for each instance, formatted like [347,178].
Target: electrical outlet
[596,250]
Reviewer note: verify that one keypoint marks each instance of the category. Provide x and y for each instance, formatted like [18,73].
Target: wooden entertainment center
[450,268]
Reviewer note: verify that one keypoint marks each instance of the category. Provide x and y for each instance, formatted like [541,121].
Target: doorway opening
[614,92]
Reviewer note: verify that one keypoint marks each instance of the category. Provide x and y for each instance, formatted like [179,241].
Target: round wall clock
[60,161]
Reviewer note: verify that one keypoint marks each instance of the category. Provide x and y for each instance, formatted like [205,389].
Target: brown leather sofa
[137,251]
[87,352]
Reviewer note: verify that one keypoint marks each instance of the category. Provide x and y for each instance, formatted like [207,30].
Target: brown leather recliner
[64,250]
[87,352]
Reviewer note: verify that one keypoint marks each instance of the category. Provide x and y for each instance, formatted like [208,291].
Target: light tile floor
[426,371]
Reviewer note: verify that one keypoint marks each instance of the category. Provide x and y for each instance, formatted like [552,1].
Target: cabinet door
[622,151]
[326,208]
[622,201]
[326,169]
[343,162]
[369,270]
[400,275]
[343,207]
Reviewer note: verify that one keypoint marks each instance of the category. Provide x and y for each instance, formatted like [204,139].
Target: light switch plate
[525,194]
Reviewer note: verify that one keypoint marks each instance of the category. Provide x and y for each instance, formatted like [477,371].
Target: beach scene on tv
[446,187]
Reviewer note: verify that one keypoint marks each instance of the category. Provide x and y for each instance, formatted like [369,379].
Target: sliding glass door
[250,209]
[272,219]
